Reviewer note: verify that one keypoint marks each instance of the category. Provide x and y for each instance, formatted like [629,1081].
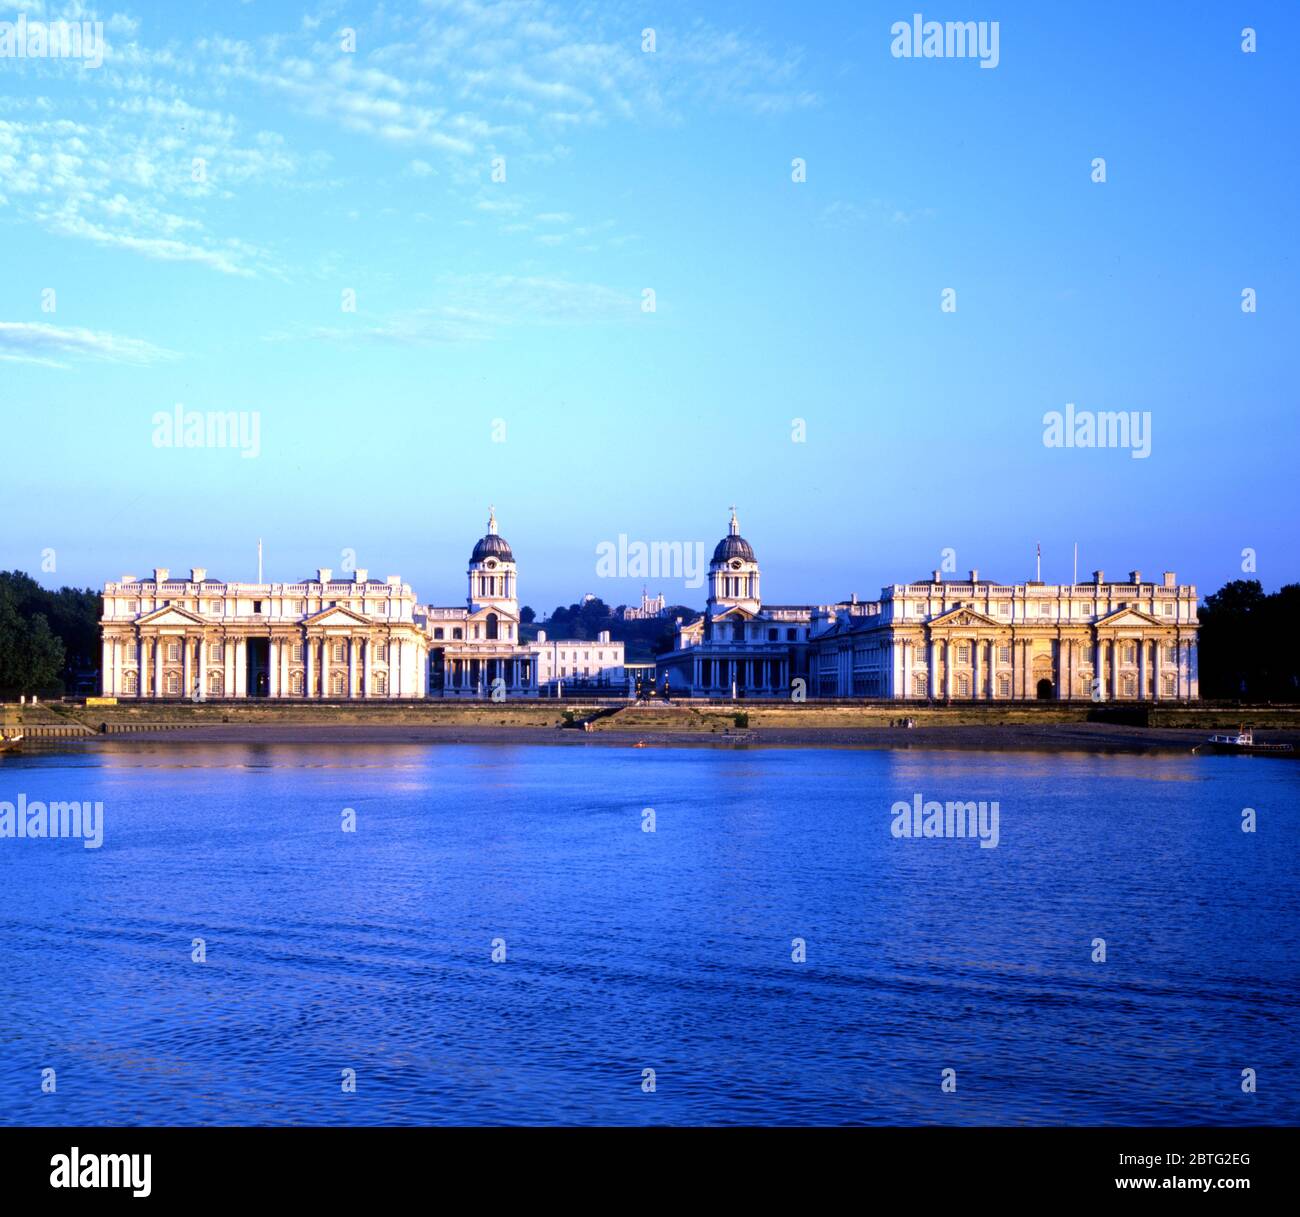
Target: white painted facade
[199,638]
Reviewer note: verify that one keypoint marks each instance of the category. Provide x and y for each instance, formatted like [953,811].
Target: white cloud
[50,345]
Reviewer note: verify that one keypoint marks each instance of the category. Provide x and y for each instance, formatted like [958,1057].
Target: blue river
[502,941]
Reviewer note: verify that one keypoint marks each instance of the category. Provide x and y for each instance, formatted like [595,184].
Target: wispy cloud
[51,345]
[478,308]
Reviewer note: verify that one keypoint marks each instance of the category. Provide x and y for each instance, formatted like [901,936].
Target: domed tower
[492,574]
[733,573]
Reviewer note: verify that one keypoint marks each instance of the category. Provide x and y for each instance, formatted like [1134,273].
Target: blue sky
[625,170]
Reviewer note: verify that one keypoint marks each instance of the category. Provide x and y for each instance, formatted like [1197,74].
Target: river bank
[1058,737]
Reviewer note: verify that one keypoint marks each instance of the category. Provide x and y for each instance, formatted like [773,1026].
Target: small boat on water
[1241,740]
[10,743]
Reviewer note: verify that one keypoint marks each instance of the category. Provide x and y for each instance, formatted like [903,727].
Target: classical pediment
[338,615]
[171,614]
[965,618]
[1131,618]
[735,613]
[483,613]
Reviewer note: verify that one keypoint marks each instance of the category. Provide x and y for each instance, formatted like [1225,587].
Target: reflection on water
[628,950]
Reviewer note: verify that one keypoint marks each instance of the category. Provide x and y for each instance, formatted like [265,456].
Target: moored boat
[1240,741]
[10,743]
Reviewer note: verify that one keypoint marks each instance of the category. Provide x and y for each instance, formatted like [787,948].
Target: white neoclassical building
[199,638]
[978,639]
[476,650]
[338,639]
[940,640]
[740,647]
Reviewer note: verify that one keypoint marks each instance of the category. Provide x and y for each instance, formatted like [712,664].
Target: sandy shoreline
[1057,737]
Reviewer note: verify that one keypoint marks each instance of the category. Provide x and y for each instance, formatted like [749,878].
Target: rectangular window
[963,653]
[1004,654]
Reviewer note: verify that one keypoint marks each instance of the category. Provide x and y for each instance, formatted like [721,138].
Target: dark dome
[492,546]
[734,546]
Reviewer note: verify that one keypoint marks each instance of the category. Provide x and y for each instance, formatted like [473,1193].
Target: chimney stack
[198,574]
[323,574]
[1170,579]
[1099,577]
[974,575]
[160,574]
[1135,576]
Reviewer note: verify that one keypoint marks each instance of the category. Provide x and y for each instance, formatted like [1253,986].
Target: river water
[772,951]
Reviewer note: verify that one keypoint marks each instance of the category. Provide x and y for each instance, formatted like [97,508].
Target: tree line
[48,639]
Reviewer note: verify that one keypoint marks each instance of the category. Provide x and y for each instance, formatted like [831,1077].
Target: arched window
[492,627]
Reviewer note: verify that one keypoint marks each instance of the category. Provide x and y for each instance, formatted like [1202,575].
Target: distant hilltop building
[651,608]
[338,639]
[937,639]
[934,639]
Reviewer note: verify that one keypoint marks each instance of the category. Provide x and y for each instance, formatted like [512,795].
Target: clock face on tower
[490,563]
[735,564]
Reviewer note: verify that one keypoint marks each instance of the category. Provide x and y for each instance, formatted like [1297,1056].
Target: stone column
[159,658]
[1142,669]
[143,684]
[309,667]
[187,667]
[934,667]
[368,667]
[203,666]
[1158,657]
[1114,668]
